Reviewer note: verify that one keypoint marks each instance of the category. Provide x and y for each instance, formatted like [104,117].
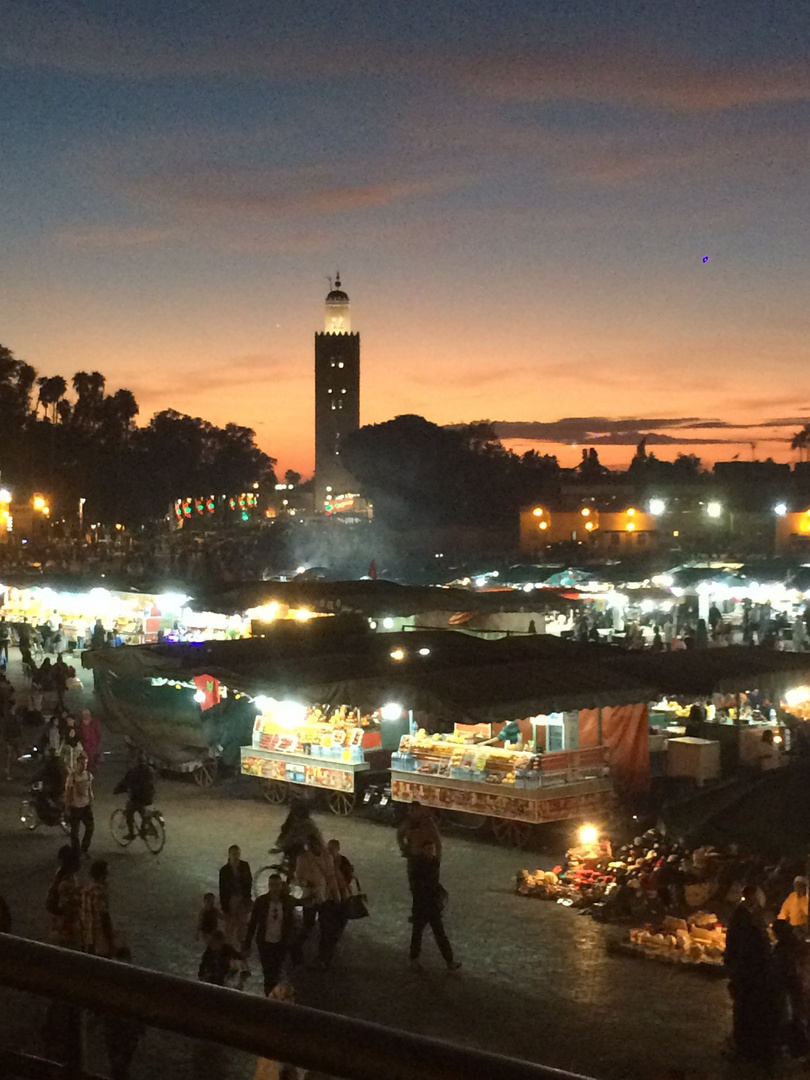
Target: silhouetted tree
[421,475]
[801,442]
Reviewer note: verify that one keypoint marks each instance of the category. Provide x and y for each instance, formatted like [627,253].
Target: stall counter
[301,769]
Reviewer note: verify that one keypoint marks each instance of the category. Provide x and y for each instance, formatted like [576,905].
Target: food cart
[511,790]
[336,750]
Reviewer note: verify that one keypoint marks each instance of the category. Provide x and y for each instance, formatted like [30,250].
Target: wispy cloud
[632,74]
[631,430]
[115,237]
[235,41]
[259,370]
[277,192]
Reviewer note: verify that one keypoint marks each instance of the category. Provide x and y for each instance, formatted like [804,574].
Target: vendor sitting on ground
[794,909]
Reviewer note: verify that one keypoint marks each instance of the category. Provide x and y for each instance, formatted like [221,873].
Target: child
[208,922]
[220,962]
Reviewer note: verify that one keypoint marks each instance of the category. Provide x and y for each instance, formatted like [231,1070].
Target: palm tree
[801,442]
[51,390]
[89,389]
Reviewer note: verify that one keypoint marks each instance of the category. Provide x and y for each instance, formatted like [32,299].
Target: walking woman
[324,893]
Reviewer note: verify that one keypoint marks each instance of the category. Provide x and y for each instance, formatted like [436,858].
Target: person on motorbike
[49,788]
[139,785]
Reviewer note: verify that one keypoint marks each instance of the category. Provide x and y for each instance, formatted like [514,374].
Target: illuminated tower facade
[337,396]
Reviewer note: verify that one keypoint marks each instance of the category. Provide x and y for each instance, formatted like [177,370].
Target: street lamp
[657,506]
[780,509]
[714,510]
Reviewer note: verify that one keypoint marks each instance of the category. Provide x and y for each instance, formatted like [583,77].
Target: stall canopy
[453,675]
[377,599]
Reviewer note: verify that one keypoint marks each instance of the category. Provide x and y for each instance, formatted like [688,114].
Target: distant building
[609,531]
[337,398]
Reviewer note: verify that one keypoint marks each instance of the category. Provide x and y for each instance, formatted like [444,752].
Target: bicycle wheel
[260,879]
[153,832]
[119,828]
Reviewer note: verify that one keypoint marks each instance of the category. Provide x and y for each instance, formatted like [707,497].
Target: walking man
[272,924]
[416,834]
[235,885]
[79,803]
[429,899]
[139,786]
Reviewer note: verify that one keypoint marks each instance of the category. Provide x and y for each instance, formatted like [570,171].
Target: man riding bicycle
[139,786]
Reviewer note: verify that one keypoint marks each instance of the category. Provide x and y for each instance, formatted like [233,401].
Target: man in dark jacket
[429,898]
[273,925]
[235,900]
[139,785]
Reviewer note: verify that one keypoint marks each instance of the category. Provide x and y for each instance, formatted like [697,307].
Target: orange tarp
[625,733]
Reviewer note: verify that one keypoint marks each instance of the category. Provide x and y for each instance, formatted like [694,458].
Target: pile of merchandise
[653,877]
[584,880]
[545,885]
[700,939]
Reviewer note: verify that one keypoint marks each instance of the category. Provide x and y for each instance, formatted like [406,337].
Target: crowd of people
[681,627]
[314,886]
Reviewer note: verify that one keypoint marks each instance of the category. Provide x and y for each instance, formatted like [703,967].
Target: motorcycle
[38,810]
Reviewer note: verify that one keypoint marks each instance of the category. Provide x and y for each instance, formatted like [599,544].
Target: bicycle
[152,829]
[282,867]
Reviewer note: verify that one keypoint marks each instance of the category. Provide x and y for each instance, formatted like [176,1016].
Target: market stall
[335,750]
[130,618]
[511,788]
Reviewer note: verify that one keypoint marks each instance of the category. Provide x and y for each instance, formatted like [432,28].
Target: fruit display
[544,885]
[339,733]
[455,756]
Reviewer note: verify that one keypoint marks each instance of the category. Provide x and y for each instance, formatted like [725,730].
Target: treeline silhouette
[78,441]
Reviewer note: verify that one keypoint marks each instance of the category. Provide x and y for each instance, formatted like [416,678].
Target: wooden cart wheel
[342,802]
[275,791]
[511,833]
[463,820]
[205,774]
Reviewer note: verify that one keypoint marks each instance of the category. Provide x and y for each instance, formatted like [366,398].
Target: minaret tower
[337,396]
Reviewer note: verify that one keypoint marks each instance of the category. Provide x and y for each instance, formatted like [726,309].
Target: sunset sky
[544,210]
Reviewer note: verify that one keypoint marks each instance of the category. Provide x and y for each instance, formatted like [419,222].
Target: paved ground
[536,982]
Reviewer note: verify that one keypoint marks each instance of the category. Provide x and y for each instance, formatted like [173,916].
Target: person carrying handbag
[354,906]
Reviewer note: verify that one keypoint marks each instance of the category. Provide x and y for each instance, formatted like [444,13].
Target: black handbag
[354,906]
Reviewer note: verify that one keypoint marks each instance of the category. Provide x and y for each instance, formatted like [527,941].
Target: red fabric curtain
[625,734]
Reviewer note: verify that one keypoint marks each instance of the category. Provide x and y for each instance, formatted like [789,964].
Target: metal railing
[335,1045]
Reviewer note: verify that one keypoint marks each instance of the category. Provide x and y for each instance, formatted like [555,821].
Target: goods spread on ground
[651,878]
[698,939]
